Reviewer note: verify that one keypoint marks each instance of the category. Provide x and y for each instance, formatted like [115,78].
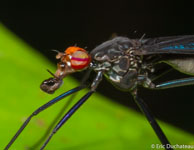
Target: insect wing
[168,45]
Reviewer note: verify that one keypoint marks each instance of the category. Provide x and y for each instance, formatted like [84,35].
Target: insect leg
[160,73]
[60,114]
[55,120]
[175,83]
[43,107]
[75,107]
[150,117]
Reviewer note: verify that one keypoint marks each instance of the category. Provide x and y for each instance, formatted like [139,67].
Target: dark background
[47,26]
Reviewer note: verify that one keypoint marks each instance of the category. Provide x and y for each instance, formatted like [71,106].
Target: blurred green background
[99,125]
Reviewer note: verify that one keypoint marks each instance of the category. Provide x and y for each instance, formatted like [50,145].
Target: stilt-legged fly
[127,64]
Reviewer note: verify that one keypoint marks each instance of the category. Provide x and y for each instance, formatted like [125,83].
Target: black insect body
[118,62]
[127,64]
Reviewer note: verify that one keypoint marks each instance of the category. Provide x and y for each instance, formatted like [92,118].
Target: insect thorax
[119,64]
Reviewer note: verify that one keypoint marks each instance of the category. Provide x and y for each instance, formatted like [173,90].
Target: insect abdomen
[183,65]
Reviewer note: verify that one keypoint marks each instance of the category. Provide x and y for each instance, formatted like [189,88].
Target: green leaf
[99,124]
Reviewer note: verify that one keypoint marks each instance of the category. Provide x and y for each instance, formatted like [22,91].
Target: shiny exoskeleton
[128,62]
[118,62]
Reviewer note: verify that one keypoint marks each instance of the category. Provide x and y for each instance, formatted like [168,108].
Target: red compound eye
[79,58]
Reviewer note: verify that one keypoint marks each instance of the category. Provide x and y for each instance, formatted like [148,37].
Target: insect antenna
[54,50]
